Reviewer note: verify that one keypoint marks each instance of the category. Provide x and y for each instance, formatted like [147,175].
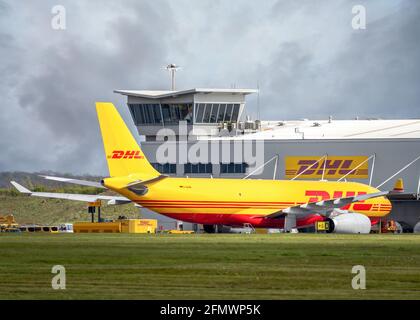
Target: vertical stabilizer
[123,154]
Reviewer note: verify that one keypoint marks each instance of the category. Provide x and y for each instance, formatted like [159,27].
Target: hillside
[31,180]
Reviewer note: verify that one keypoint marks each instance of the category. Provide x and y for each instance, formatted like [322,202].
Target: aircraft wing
[75,181]
[324,207]
[72,196]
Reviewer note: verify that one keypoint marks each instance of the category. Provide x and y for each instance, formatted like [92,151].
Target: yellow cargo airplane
[350,207]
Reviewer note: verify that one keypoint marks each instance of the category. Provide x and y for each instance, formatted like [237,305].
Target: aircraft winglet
[20,188]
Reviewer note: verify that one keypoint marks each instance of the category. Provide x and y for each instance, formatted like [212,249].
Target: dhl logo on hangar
[334,167]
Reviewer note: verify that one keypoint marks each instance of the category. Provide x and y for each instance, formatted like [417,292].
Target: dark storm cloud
[74,72]
[305,56]
[381,68]
[374,73]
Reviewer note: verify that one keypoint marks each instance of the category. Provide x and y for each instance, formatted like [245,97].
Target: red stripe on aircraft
[234,202]
[362,206]
[211,207]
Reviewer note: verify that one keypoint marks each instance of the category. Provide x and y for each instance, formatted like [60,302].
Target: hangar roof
[335,129]
[158,94]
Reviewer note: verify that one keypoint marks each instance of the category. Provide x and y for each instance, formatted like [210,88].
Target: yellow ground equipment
[322,226]
[139,226]
[125,226]
[97,227]
[180,231]
[261,230]
[8,223]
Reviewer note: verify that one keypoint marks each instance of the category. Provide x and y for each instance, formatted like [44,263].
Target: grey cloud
[305,56]
[375,73]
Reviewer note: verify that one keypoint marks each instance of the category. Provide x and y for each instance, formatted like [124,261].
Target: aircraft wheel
[209,228]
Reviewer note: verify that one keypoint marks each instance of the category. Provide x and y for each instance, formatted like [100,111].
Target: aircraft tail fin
[123,154]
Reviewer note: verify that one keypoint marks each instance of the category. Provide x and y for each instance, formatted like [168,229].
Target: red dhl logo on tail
[121,154]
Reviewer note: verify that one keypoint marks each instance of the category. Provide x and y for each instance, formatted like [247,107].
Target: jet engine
[349,223]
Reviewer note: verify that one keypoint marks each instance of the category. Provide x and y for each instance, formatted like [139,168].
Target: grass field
[276,266]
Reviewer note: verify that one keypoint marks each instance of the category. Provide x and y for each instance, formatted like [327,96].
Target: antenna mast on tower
[258,101]
[172,68]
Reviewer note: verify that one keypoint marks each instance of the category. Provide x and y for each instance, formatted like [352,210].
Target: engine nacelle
[350,223]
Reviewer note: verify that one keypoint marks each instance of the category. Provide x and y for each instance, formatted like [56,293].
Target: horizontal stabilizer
[75,181]
[70,196]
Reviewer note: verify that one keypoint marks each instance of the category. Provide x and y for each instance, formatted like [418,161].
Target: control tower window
[199,110]
[185,112]
[157,114]
[216,112]
[166,113]
[235,112]
[173,113]
[145,113]
[221,114]
[228,114]
[207,112]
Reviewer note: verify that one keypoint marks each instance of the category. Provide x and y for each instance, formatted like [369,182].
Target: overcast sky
[306,57]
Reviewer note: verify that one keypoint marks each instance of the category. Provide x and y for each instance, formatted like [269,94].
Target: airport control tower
[204,110]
